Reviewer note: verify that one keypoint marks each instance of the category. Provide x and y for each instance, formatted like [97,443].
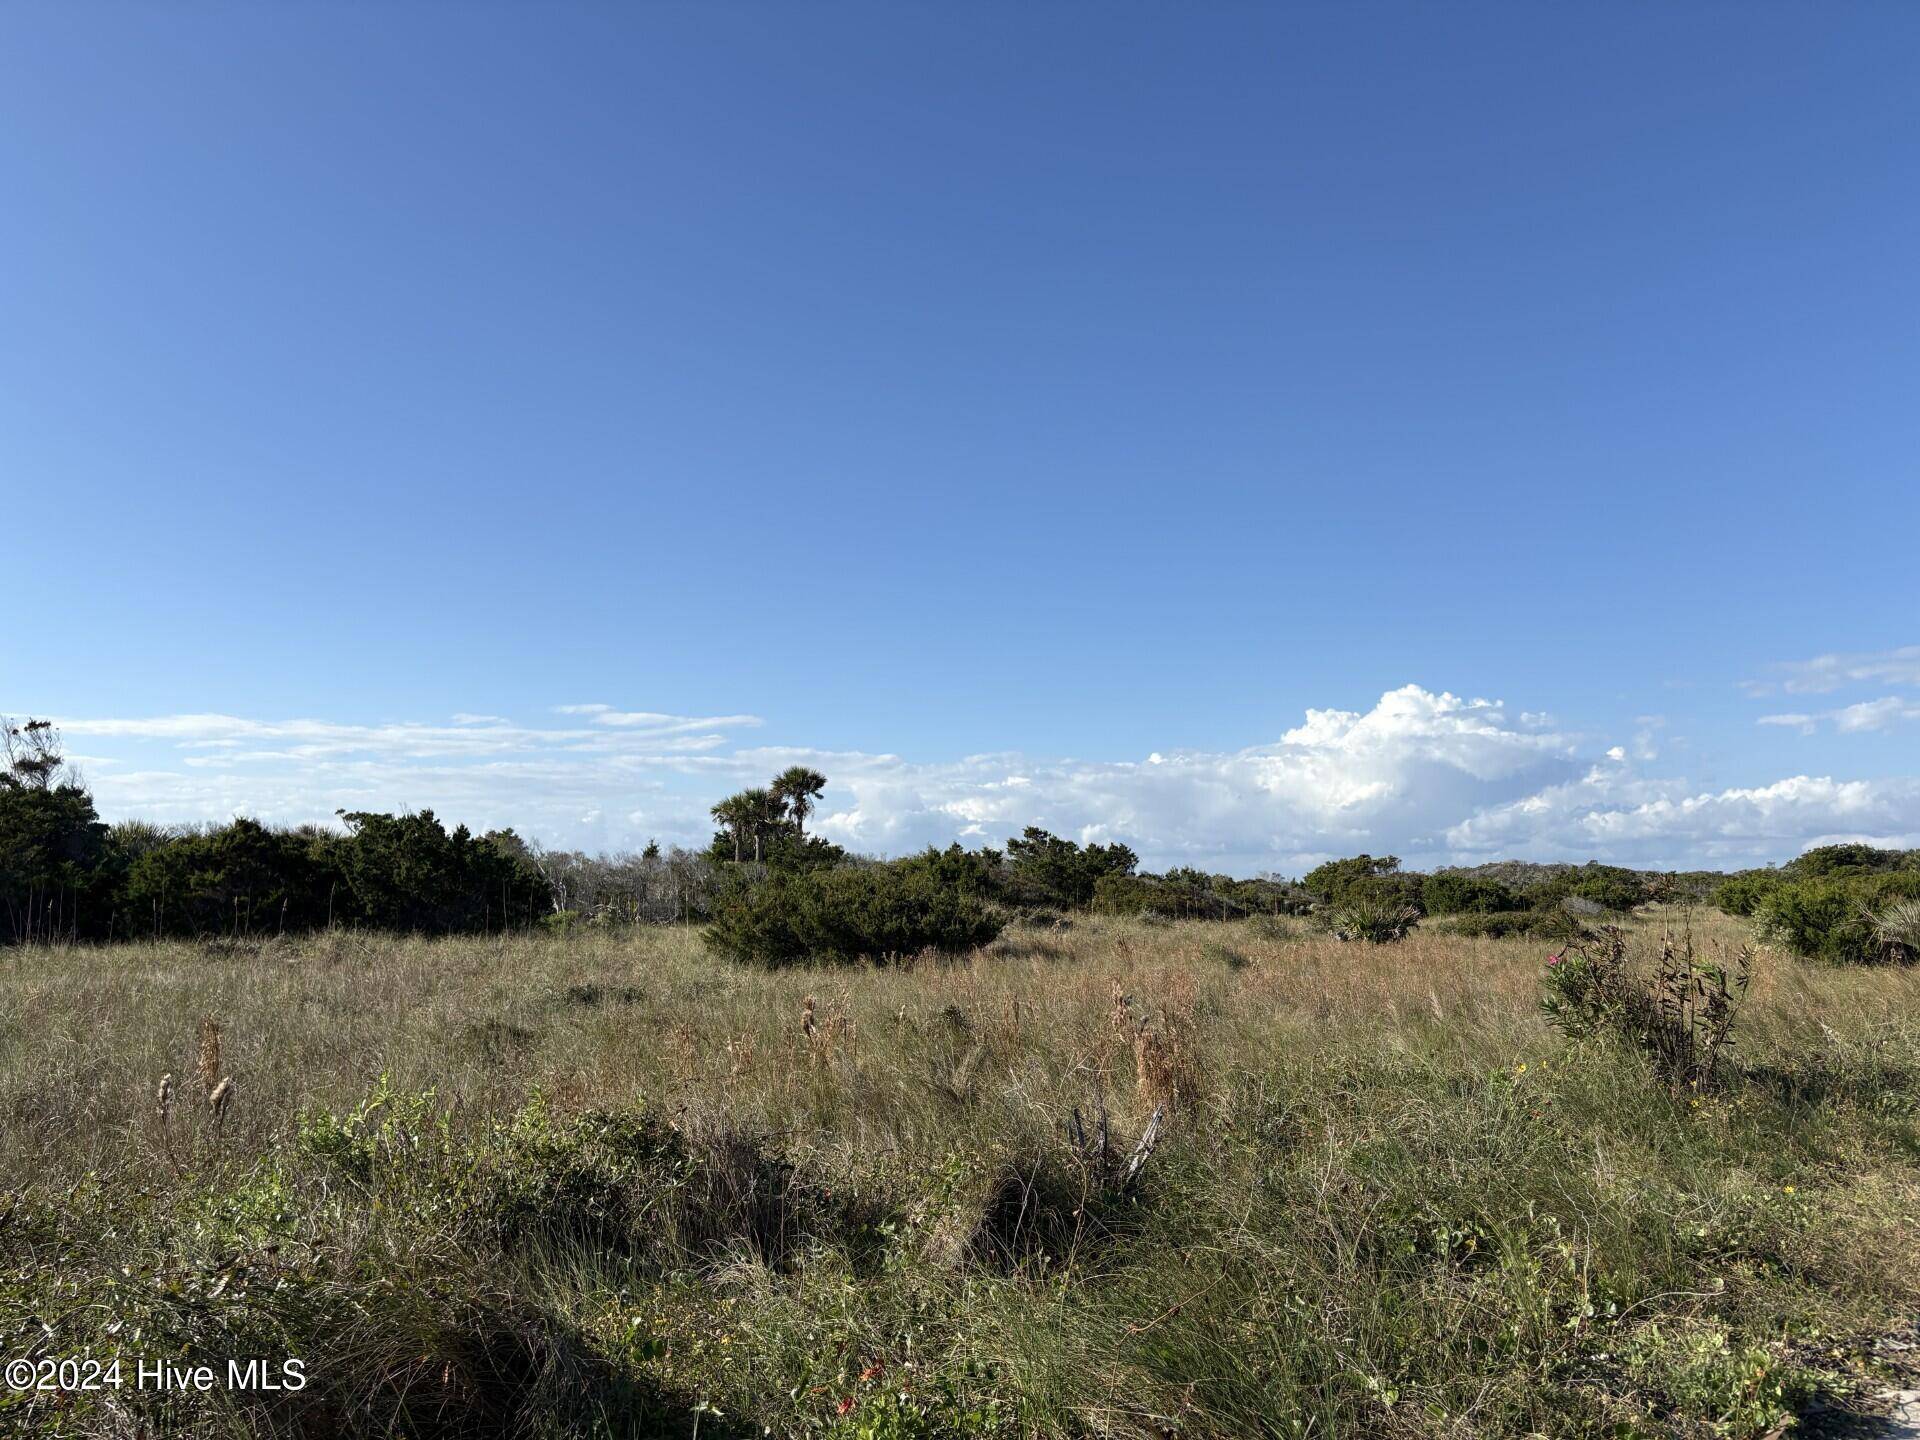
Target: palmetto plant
[1896,931]
[1378,920]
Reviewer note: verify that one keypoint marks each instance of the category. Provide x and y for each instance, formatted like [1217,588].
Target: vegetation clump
[1678,1010]
[878,913]
[1845,904]
[1378,919]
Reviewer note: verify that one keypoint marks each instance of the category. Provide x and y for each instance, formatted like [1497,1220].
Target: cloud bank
[1426,775]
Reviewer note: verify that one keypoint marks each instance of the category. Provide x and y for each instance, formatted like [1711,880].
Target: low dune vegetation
[771,1139]
[1102,1175]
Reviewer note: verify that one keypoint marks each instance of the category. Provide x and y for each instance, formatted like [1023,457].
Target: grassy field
[607,1184]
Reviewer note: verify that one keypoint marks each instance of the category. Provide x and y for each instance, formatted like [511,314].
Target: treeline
[775,894]
[1370,897]
[64,875]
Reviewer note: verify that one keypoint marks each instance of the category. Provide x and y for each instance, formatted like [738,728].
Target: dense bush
[52,845]
[407,872]
[979,872]
[877,912]
[235,880]
[66,876]
[1263,895]
[1740,894]
[1825,861]
[1452,892]
[1181,899]
[1047,870]
[1815,919]
[1377,879]
[1607,886]
[1833,917]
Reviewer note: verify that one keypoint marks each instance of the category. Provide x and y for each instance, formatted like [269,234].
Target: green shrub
[1046,870]
[1450,892]
[1702,1375]
[877,913]
[1832,918]
[1152,895]
[1272,927]
[1375,880]
[978,872]
[1825,861]
[1608,886]
[1740,894]
[600,1177]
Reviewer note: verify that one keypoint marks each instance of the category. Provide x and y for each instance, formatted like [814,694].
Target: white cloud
[1425,775]
[1825,673]
[653,722]
[1864,716]
[1393,778]
[1660,822]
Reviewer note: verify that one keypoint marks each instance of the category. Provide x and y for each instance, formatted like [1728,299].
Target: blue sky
[980,400]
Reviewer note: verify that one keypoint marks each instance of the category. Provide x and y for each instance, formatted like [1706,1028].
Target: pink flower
[1553,960]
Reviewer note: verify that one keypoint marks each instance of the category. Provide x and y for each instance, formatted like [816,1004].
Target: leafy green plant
[1702,1377]
[1678,1010]
[1046,869]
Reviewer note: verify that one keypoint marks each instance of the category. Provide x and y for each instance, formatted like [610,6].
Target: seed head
[207,1069]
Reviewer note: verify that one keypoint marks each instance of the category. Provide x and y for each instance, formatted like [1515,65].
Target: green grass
[604,1183]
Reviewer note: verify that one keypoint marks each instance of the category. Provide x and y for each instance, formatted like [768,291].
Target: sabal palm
[761,810]
[796,788]
[734,815]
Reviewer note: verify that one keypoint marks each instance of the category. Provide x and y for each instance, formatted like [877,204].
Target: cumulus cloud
[1611,815]
[1427,775]
[1392,777]
[1825,673]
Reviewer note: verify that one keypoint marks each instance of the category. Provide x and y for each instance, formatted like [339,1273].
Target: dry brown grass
[1312,1055]
[606,1017]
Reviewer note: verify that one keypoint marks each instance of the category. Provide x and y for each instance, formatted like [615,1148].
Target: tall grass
[603,1182]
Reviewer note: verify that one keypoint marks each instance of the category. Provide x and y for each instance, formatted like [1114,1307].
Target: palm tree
[734,814]
[797,787]
[760,810]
